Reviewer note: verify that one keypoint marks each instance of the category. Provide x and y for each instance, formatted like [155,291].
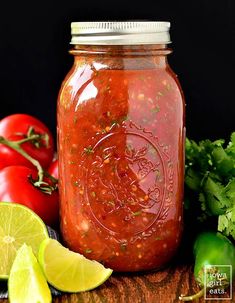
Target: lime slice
[27,283]
[69,271]
[18,225]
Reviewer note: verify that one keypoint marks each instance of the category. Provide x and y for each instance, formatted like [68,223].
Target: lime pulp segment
[18,225]
[69,271]
[26,283]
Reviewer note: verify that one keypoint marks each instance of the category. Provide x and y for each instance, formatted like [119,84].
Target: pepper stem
[192,297]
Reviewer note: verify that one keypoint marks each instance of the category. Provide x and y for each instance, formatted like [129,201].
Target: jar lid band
[120,32]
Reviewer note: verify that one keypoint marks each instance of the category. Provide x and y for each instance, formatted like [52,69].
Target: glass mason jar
[121,146]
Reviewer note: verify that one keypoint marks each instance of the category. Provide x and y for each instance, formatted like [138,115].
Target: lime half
[69,271]
[27,283]
[18,225]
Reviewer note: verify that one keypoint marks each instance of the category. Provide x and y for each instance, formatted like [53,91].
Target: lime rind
[69,271]
[26,283]
[18,225]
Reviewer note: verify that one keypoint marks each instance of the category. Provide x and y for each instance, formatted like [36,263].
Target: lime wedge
[18,225]
[27,283]
[69,271]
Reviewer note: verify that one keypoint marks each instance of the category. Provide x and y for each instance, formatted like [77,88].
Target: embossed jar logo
[127,181]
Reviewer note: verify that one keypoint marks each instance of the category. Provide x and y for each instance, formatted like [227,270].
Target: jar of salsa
[121,146]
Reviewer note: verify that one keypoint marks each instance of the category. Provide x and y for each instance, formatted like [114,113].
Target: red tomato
[17,187]
[15,127]
[53,169]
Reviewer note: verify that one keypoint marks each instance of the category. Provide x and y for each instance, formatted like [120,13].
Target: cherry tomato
[16,127]
[16,186]
[53,169]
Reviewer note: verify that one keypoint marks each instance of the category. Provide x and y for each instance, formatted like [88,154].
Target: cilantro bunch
[210,183]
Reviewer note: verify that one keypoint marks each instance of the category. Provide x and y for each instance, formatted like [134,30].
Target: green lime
[69,271]
[26,283]
[18,225]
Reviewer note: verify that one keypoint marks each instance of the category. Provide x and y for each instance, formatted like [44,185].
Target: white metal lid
[120,32]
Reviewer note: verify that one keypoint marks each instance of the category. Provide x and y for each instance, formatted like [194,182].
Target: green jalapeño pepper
[214,260]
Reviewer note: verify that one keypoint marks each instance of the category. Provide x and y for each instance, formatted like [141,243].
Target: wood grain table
[163,286]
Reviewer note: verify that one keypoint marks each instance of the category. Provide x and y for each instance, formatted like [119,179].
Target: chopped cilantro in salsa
[122,114]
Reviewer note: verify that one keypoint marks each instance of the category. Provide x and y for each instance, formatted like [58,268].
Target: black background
[34,44]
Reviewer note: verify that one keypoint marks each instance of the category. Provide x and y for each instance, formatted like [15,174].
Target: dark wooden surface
[163,286]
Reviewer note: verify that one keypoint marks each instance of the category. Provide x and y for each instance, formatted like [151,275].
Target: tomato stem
[33,137]
[53,179]
[192,297]
[15,145]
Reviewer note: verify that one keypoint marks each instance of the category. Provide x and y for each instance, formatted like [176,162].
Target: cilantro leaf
[216,199]
[226,223]
[210,182]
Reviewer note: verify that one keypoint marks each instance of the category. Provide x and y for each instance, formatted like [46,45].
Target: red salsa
[121,162]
